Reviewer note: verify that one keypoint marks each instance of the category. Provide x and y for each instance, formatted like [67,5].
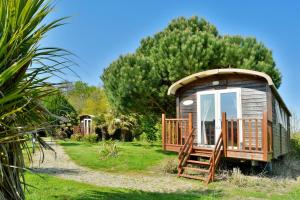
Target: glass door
[211,105]
[229,104]
[207,118]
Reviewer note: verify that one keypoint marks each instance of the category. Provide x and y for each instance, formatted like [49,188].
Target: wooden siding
[281,135]
[253,95]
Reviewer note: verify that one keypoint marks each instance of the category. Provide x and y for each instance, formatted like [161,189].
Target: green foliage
[116,121]
[148,127]
[100,120]
[24,69]
[62,189]
[61,135]
[76,137]
[142,138]
[87,99]
[109,149]
[132,157]
[90,138]
[111,122]
[170,166]
[139,82]
[62,111]
[295,145]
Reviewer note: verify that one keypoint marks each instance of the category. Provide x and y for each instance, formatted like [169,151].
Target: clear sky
[101,30]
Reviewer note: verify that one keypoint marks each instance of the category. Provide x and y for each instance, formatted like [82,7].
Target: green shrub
[142,138]
[76,137]
[109,149]
[238,179]
[170,166]
[295,144]
[61,135]
[158,131]
[90,138]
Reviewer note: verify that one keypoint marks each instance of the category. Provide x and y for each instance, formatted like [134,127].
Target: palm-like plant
[24,69]
[123,122]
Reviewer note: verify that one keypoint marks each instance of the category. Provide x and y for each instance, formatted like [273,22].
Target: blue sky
[99,31]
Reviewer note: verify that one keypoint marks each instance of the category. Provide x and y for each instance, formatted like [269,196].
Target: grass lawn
[143,158]
[133,157]
[52,188]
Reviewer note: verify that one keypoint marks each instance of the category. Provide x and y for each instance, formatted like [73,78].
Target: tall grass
[24,70]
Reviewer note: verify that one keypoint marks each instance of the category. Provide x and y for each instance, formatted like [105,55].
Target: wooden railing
[215,158]
[247,135]
[252,135]
[250,138]
[185,151]
[175,131]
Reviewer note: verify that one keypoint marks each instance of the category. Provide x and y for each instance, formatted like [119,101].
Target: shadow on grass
[145,145]
[166,152]
[69,144]
[136,144]
[56,171]
[117,194]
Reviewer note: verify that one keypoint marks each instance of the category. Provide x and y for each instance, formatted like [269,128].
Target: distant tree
[87,99]
[125,123]
[96,103]
[60,108]
[139,82]
[77,94]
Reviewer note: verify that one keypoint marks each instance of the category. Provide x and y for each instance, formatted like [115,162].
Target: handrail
[214,159]
[185,150]
[182,149]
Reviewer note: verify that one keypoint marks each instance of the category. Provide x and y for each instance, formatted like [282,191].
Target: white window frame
[218,114]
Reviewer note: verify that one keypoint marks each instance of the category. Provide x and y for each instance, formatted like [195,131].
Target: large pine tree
[138,82]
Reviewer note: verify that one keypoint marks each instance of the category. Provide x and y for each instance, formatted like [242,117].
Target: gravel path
[62,166]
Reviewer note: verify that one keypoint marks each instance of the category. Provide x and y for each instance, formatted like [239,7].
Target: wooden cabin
[231,113]
[85,126]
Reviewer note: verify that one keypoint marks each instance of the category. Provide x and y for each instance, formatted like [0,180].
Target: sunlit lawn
[52,188]
[133,157]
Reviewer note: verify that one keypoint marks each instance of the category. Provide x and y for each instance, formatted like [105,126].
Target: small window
[187,102]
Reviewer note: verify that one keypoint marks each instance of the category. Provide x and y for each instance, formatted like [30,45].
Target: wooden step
[203,152]
[198,162]
[207,149]
[193,177]
[201,155]
[196,169]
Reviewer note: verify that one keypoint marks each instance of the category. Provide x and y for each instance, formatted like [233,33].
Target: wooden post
[163,131]
[224,133]
[213,167]
[190,122]
[265,136]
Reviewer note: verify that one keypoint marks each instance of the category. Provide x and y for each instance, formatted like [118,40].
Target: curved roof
[178,84]
[182,82]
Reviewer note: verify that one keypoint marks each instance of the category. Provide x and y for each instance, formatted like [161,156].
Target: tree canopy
[60,108]
[138,82]
[87,99]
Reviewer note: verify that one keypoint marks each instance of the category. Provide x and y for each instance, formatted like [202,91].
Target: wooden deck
[255,142]
[231,153]
[247,139]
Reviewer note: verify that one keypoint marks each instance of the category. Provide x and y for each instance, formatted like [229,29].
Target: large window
[281,116]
